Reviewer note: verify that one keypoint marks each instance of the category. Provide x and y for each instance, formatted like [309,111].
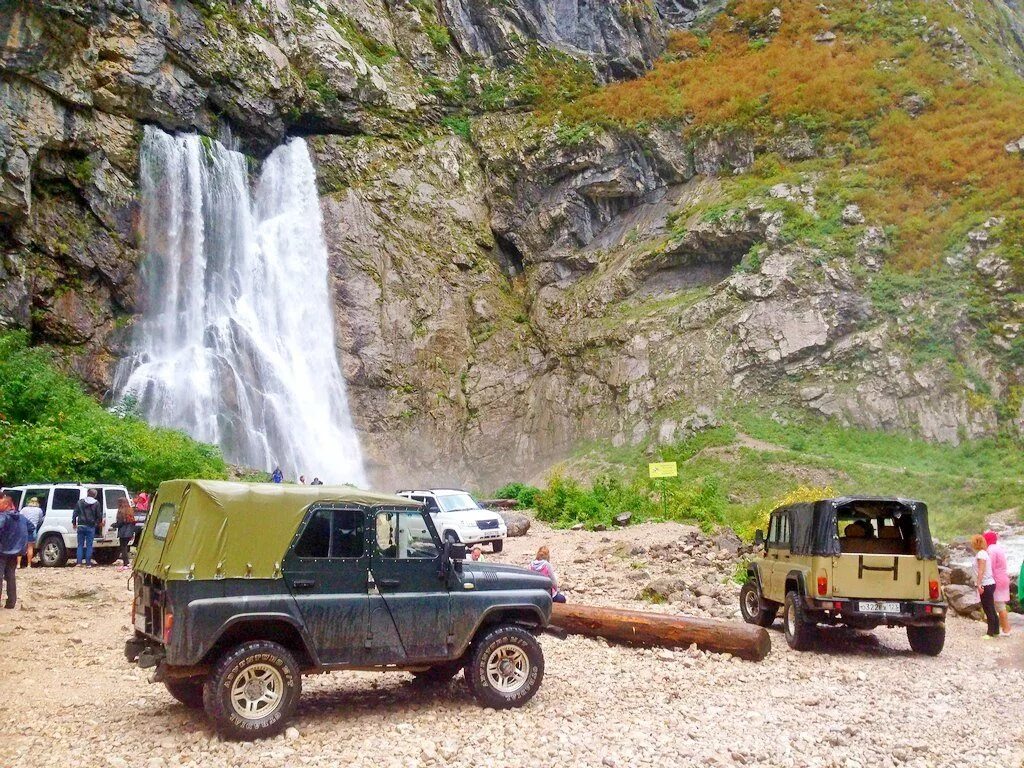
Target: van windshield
[456,502]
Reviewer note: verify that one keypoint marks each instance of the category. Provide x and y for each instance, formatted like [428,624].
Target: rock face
[504,289]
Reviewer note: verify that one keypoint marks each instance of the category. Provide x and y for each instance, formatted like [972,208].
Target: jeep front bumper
[908,613]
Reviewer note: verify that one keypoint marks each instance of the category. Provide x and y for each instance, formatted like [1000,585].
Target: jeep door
[778,556]
[327,570]
[406,573]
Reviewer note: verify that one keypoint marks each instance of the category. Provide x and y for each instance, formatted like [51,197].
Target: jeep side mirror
[759,538]
[451,556]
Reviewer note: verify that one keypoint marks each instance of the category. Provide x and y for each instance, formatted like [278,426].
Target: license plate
[875,607]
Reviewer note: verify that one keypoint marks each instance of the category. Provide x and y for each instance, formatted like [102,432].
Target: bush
[524,494]
[52,431]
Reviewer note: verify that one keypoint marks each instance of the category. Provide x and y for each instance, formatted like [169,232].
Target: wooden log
[660,630]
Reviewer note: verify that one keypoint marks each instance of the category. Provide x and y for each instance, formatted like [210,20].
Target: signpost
[663,470]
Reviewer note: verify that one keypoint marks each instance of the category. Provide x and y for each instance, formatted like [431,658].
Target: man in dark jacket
[86,519]
[13,540]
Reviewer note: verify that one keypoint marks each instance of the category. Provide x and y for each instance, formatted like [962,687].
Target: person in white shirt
[986,584]
[35,516]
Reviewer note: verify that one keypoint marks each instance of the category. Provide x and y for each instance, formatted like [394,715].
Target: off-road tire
[799,631]
[927,640]
[260,656]
[754,607]
[106,555]
[188,692]
[439,674]
[57,556]
[506,643]
[497,546]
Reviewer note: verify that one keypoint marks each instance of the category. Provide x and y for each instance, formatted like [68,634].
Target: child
[125,529]
[541,565]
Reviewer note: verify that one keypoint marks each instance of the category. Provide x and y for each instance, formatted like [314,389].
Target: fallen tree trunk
[658,629]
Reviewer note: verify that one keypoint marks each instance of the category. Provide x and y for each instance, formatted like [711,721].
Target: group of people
[993,579]
[277,476]
[18,530]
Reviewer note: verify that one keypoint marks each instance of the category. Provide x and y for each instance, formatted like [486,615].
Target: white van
[458,518]
[56,540]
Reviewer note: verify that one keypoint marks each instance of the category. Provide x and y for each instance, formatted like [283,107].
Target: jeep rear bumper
[911,612]
[143,651]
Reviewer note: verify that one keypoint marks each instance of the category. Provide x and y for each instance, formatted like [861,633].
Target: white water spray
[236,342]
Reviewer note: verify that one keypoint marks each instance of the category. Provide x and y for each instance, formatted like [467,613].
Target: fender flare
[754,572]
[529,608]
[801,584]
[307,645]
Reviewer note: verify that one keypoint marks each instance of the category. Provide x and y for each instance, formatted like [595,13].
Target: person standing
[141,505]
[1001,574]
[986,583]
[34,514]
[277,476]
[302,479]
[543,566]
[13,538]
[85,520]
[125,523]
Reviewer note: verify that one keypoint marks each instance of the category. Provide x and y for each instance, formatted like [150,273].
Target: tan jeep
[860,562]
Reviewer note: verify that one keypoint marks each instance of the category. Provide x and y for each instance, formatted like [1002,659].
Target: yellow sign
[663,469]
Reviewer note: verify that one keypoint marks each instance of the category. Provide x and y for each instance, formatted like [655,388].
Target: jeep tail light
[168,626]
[933,590]
[823,585]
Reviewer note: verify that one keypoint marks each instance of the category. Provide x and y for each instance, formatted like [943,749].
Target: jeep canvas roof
[209,529]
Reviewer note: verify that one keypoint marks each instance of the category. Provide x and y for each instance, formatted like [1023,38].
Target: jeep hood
[493,576]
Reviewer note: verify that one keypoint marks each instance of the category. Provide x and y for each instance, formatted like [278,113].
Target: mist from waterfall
[235,345]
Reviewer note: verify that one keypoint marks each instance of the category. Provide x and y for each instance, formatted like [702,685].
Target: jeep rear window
[336,533]
[164,520]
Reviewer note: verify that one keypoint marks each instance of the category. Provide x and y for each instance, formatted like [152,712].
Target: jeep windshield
[456,502]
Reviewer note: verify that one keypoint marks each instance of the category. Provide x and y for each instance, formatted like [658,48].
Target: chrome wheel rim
[508,668]
[50,553]
[752,603]
[257,692]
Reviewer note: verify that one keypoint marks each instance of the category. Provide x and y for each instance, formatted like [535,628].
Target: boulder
[964,600]
[960,574]
[518,523]
[728,541]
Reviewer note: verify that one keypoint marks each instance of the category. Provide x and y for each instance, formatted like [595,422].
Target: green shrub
[526,495]
[52,431]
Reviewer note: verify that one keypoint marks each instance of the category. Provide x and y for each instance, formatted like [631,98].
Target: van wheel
[188,692]
[498,546]
[505,667]
[927,640]
[252,690]
[799,631]
[52,552]
[755,609]
[440,673]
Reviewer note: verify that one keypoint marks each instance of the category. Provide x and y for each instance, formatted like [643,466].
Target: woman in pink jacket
[1001,573]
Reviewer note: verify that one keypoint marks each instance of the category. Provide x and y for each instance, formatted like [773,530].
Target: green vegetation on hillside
[51,431]
[735,473]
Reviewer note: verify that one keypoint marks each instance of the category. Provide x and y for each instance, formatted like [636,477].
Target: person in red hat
[1001,573]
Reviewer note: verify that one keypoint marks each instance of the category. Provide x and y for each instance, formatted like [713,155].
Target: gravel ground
[862,699]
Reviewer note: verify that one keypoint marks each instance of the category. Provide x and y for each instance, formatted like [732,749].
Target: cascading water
[236,342]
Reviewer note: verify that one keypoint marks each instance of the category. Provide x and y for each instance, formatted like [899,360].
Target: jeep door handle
[389,582]
[304,584]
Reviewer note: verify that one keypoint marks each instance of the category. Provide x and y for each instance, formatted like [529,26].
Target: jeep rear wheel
[252,690]
[505,667]
[188,692]
[927,640]
[753,606]
[52,552]
[799,631]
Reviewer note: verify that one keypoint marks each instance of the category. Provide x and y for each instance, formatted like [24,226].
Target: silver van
[56,540]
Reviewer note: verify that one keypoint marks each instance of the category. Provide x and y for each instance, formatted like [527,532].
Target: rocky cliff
[509,279]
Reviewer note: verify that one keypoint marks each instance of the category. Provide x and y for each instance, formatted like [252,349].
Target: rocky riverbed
[861,699]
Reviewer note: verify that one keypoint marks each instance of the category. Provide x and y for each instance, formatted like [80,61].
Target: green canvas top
[211,529]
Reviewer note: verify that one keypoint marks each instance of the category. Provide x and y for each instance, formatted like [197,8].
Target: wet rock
[517,523]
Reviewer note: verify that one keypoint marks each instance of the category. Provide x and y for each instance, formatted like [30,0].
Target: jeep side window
[404,536]
[334,533]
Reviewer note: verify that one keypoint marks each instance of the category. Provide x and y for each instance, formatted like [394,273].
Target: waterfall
[235,345]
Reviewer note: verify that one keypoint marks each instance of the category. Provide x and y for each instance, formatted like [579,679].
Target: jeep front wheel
[188,692]
[799,631]
[252,690]
[505,667]
[927,640]
[755,609]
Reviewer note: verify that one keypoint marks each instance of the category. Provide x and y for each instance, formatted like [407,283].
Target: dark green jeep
[241,588]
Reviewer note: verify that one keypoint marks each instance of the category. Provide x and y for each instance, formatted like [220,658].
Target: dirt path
[859,700]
